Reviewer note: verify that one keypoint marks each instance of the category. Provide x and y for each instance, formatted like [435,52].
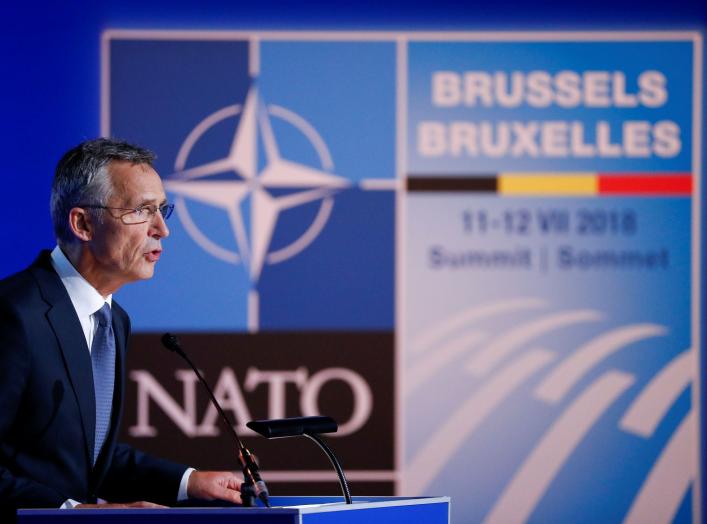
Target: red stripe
[677,184]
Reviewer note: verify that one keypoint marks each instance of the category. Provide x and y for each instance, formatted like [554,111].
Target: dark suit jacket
[47,405]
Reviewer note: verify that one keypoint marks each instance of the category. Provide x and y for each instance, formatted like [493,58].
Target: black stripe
[424,183]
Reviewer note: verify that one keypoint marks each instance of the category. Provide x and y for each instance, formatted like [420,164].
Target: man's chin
[146,271]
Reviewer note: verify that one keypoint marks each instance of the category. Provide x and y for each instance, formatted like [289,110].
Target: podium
[285,510]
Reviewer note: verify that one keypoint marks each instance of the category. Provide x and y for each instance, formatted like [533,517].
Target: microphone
[250,468]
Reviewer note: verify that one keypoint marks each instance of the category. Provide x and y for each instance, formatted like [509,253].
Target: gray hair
[81,177]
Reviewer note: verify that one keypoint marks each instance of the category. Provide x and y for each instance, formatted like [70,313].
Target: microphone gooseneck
[248,464]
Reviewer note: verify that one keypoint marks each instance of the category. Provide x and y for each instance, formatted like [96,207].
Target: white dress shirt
[86,301]
[84,297]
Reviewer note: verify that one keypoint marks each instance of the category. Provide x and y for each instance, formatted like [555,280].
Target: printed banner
[549,338]
[278,271]
[268,149]
[478,252]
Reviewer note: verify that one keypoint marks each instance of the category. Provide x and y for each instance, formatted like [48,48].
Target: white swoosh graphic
[490,356]
[444,328]
[428,366]
[659,395]
[530,483]
[671,476]
[449,437]
[571,370]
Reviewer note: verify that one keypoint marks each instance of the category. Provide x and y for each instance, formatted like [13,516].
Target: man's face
[125,253]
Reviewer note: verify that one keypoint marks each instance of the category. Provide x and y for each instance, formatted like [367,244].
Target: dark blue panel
[344,279]
[160,90]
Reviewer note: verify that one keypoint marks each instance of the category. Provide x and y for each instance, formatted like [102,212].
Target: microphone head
[171,342]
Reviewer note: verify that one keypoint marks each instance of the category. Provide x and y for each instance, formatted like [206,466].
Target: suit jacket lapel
[120,329]
[67,328]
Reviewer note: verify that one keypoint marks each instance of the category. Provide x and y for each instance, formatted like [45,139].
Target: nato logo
[203,183]
[280,158]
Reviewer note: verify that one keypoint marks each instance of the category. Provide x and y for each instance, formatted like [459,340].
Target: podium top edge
[311,504]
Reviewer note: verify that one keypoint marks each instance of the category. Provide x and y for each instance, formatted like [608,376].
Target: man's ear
[80,223]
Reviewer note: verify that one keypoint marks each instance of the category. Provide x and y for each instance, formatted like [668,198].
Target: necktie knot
[103,315]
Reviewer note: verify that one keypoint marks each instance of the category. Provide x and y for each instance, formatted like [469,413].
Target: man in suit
[63,341]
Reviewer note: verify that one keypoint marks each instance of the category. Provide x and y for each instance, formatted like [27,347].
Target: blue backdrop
[50,62]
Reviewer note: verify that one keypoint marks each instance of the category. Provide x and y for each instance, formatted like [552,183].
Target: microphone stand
[253,485]
[309,427]
[334,462]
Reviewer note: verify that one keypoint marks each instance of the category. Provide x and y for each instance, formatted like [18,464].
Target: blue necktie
[103,361]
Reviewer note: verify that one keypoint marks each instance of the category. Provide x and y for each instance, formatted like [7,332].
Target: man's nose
[159,226]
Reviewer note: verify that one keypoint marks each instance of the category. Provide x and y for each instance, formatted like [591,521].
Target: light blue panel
[534,326]
[598,302]
[346,90]
[343,92]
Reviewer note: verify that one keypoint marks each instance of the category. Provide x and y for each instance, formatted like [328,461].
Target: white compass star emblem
[308,184]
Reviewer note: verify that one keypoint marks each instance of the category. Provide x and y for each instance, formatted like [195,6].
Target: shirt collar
[84,297]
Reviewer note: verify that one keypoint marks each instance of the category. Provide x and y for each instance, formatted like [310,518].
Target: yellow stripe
[548,184]
[548,174]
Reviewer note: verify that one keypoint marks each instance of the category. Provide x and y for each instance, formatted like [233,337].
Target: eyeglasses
[138,215]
